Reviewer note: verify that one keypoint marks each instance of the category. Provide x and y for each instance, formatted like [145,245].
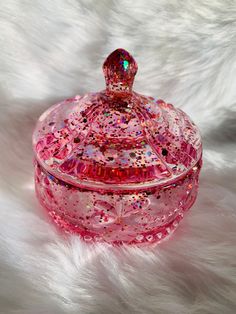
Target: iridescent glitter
[117,166]
[125,65]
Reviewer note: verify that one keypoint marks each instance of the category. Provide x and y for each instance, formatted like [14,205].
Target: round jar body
[135,216]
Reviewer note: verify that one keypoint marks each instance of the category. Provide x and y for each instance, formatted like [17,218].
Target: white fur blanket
[186,51]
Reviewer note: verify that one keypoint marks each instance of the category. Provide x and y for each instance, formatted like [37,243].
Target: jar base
[152,238]
[137,218]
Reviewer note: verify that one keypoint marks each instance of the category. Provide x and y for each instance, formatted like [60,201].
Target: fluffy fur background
[186,51]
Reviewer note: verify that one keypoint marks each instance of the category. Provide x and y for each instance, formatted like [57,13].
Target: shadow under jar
[117,166]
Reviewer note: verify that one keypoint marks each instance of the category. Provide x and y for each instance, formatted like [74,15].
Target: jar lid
[116,138]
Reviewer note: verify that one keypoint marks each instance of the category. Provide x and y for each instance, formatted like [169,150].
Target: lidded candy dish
[117,166]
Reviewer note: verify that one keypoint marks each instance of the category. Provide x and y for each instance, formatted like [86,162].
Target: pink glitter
[117,166]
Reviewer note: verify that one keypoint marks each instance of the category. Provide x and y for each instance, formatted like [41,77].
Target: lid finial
[119,69]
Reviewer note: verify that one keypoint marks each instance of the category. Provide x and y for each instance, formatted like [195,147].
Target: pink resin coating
[117,166]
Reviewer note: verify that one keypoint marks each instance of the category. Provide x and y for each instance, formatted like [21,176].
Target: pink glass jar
[117,166]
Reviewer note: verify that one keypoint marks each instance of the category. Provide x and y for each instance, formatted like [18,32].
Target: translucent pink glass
[117,166]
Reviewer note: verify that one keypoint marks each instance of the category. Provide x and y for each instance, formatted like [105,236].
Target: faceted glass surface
[129,216]
[117,165]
